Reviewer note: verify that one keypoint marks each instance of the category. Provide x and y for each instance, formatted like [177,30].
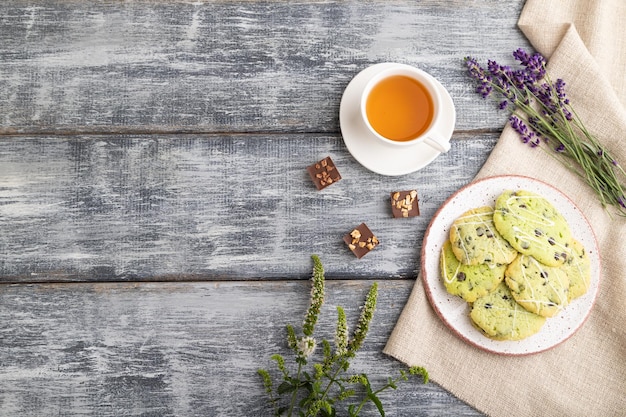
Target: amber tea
[399,108]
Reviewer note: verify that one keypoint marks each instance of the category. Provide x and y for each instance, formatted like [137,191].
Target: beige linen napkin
[586,375]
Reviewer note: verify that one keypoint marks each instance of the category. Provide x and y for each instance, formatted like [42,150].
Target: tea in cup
[402,106]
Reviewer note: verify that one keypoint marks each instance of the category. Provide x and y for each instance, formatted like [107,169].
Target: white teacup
[402,106]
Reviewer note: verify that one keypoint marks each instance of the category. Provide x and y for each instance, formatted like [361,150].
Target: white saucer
[372,153]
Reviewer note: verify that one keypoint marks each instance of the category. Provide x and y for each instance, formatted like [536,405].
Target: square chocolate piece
[361,240]
[404,204]
[324,173]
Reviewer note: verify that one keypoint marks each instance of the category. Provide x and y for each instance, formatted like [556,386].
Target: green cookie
[532,226]
[539,288]
[468,281]
[578,270]
[499,317]
[475,239]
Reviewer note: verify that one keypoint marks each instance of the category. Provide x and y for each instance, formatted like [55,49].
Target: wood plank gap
[224,280]
[146,132]
[473,132]
[186,133]
[51,278]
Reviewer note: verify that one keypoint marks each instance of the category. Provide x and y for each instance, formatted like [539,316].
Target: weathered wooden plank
[146,66]
[206,207]
[180,348]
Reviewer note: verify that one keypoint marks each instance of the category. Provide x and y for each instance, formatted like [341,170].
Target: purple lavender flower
[559,87]
[544,95]
[521,55]
[526,135]
[517,124]
[520,79]
[484,87]
[474,69]
[563,101]
[484,90]
[568,115]
[534,142]
[533,122]
[493,67]
[535,64]
[502,79]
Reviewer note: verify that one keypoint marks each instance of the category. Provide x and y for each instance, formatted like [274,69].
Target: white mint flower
[306,346]
[341,334]
[317,297]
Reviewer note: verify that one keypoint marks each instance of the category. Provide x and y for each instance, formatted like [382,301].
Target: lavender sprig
[542,115]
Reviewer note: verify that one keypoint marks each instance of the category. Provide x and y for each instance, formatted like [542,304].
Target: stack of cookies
[516,265]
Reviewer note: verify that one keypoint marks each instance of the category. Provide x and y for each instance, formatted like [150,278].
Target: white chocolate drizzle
[530,217]
[534,299]
[484,219]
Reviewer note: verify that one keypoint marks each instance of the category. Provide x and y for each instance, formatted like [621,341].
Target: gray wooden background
[156,217]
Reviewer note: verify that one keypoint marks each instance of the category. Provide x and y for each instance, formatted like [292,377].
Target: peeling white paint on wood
[163,145]
[216,66]
[179,349]
[148,207]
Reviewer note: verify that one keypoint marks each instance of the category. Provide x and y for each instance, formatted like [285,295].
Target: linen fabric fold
[585,375]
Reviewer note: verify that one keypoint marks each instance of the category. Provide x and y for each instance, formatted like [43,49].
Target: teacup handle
[435,140]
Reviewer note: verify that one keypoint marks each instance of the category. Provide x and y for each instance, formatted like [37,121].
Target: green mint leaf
[376,402]
[285,387]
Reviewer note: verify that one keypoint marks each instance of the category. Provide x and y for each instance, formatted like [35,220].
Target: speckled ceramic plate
[454,311]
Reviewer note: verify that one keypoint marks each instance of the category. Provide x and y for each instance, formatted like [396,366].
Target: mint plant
[324,387]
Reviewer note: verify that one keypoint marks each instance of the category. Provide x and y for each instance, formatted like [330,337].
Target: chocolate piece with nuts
[404,204]
[361,240]
[324,173]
